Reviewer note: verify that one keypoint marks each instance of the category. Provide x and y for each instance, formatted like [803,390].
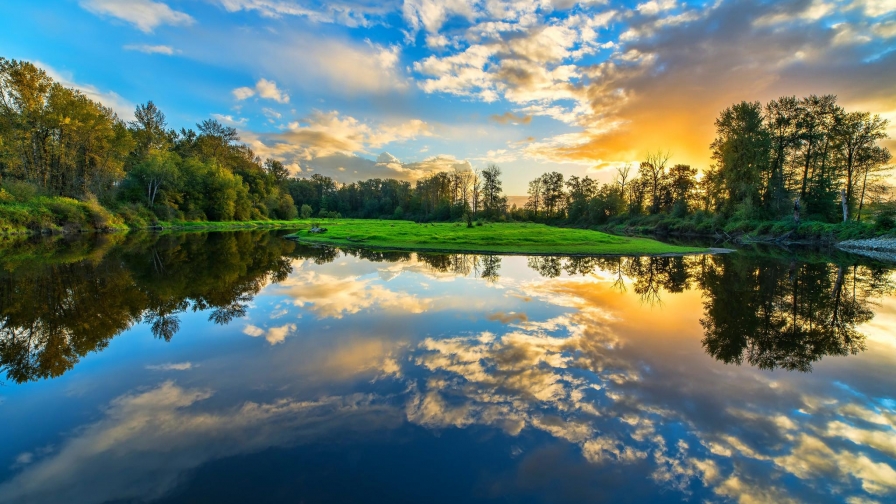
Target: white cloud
[268,89]
[263,88]
[875,8]
[349,14]
[146,15]
[432,14]
[151,49]
[242,93]
[274,335]
[327,133]
[654,7]
[230,120]
[177,366]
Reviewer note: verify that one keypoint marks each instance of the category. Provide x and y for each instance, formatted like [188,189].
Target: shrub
[21,191]
[885,220]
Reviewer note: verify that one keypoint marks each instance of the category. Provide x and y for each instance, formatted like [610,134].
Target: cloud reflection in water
[605,356]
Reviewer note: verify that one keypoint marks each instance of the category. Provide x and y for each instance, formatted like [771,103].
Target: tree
[552,184]
[306,211]
[493,201]
[855,135]
[149,130]
[682,185]
[214,137]
[55,137]
[536,195]
[781,118]
[872,164]
[158,170]
[276,170]
[741,153]
[653,169]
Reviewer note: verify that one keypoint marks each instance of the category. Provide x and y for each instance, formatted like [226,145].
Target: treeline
[440,196]
[807,157]
[57,143]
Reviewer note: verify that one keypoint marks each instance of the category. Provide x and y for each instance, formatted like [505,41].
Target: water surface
[242,367]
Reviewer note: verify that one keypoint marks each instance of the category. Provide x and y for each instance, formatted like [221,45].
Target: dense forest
[67,160]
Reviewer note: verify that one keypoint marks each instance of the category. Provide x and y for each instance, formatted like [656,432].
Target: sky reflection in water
[398,377]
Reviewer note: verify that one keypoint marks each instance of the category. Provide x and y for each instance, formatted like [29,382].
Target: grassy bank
[38,214]
[55,214]
[514,238]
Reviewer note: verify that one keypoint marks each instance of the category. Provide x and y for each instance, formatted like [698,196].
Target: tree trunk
[862,196]
[845,205]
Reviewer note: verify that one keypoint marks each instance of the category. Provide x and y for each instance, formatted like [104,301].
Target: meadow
[504,238]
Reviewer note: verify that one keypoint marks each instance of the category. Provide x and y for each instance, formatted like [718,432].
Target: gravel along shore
[877,248]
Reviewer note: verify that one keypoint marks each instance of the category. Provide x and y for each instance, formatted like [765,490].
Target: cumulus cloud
[264,89]
[664,59]
[273,335]
[328,296]
[146,15]
[330,140]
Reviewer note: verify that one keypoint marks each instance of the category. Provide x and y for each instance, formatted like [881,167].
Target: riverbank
[745,232]
[503,238]
[67,216]
[876,248]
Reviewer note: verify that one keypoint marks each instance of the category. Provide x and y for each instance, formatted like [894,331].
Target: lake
[243,367]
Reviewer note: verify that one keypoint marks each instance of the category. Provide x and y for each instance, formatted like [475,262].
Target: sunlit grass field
[519,238]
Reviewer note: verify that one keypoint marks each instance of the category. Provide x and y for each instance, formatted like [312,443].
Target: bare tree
[654,167]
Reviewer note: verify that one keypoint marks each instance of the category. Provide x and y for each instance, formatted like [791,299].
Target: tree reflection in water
[768,312]
[52,313]
[775,314]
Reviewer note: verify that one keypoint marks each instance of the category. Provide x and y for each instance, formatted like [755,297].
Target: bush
[21,191]
[885,220]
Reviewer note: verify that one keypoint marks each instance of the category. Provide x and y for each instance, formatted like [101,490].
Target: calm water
[241,367]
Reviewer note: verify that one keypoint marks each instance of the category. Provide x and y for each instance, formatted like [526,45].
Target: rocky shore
[883,248]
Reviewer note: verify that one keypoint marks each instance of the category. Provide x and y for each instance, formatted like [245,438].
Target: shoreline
[494,238]
[162,227]
[429,250]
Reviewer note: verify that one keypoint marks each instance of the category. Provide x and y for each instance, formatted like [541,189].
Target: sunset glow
[355,89]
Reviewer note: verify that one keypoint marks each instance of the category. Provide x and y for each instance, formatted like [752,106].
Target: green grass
[55,214]
[513,238]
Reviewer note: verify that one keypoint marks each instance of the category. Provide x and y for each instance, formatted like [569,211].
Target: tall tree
[741,153]
[653,168]
[856,134]
[493,201]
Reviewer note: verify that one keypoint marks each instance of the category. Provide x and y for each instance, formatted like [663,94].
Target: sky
[355,89]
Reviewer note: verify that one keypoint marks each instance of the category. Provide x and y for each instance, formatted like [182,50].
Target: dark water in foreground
[241,367]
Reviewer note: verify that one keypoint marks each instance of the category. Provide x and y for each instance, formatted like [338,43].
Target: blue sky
[360,88]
